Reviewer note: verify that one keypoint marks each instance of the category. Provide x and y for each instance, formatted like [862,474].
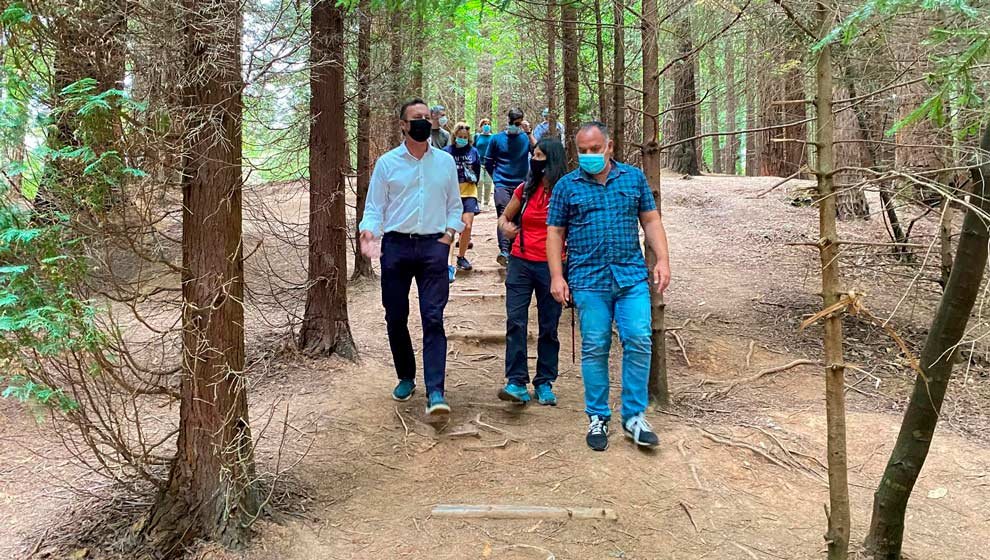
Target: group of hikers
[572,238]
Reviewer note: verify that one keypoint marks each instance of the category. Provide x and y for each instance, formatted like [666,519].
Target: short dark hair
[515,113]
[602,127]
[408,104]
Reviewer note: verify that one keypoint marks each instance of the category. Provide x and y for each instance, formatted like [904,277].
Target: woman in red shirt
[525,222]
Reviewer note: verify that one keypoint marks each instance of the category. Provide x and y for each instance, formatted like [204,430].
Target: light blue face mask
[513,129]
[461,142]
[592,164]
[486,129]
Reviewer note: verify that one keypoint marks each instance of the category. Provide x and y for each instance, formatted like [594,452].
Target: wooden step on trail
[521,512]
[473,296]
[482,336]
[484,270]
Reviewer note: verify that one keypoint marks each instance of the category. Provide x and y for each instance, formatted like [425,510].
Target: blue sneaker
[516,394]
[451,271]
[544,395]
[502,258]
[437,407]
[404,390]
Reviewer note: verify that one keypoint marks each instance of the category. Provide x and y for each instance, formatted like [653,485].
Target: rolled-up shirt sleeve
[454,205]
[374,205]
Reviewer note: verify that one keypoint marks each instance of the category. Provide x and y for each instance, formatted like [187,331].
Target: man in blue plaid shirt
[598,210]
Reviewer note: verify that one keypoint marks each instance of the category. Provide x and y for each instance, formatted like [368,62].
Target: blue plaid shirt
[602,224]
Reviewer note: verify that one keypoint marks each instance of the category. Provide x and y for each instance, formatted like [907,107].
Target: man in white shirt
[414,206]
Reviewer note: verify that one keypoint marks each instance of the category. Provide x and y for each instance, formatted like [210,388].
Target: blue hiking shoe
[437,407]
[503,258]
[544,395]
[451,272]
[516,394]
[404,390]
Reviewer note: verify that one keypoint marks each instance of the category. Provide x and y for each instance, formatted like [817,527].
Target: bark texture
[362,264]
[325,329]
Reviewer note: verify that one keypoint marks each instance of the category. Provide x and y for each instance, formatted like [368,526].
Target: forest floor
[739,474]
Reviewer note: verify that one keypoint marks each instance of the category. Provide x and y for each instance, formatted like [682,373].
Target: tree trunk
[752,146]
[600,61]
[921,417]
[419,44]
[731,153]
[552,67]
[399,92]
[486,67]
[851,149]
[325,329]
[658,389]
[210,491]
[619,79]
[717,156]
[683,158]
[782,152]
[362,264]
[945,238]
[837,536]
[572,78]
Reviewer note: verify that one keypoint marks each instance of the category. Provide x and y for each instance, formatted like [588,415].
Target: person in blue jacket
[507,161]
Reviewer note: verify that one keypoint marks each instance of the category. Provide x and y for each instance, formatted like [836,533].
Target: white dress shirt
[409,195]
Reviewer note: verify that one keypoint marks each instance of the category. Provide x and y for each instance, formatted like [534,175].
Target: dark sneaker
[437,407]
[404,390]
[514,393]
[463,264]
[597,432]
[502,258]
[640,431]
[451,272]
[544,395]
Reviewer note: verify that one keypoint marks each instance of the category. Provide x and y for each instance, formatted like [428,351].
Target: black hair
[408,104]
[555,169]
[515,113]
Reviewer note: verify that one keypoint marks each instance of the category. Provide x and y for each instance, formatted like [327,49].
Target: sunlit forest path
[738,475]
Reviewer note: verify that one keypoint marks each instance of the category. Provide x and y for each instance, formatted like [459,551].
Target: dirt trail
[368,472]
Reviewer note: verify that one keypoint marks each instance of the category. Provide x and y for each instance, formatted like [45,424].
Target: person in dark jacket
[481,140]
[468,163]
[507,161]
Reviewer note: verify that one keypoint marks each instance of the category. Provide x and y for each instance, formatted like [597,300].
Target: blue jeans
[522,279]
[424,259]
[630,309]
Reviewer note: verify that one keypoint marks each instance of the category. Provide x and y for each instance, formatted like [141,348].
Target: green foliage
[26,391]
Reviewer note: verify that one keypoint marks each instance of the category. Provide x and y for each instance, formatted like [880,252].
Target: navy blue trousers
[423,258]
[503,195]
[522,280]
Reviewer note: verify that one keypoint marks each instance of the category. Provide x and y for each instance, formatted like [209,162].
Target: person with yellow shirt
[468,162]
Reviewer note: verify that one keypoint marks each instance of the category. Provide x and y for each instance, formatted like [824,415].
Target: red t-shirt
[534,226]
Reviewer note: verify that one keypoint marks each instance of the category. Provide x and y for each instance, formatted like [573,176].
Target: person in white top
[414,207]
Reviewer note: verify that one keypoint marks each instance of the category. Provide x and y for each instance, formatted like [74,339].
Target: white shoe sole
[639,443]
[395,398]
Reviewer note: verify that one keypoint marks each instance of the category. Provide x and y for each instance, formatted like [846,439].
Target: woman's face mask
[461,142]
[487,128]
[443,121]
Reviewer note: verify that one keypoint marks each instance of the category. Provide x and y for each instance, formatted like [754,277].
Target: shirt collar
[612,174]
[406,153]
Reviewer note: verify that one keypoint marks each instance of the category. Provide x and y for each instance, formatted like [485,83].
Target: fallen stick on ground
[502,445]
[521,512]
[680,344]
[687,510]
[749,355]
[744,445]
[480,424]
[730,385]
[550,555]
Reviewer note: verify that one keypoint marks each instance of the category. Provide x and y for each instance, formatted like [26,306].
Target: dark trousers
[522,279]
[503,194]
[405,258]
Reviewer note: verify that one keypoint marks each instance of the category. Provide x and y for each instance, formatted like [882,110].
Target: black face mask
[537,167]
[420,129]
